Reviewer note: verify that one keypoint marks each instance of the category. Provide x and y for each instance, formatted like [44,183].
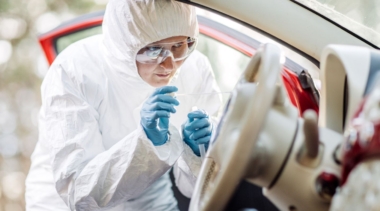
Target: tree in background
[22,68]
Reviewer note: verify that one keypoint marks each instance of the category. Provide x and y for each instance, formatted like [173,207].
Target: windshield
[359,16]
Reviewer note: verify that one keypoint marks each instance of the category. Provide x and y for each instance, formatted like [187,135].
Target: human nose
[168,62]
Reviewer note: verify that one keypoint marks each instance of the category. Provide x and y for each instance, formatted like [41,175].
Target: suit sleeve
[87,176]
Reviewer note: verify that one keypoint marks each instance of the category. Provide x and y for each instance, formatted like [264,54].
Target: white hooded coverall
[92,152]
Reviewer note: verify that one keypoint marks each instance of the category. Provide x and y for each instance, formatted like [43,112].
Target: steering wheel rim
[219,175]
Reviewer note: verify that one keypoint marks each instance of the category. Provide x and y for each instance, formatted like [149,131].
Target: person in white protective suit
[109,131]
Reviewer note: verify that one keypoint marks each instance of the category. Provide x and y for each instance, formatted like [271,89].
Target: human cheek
[145,70]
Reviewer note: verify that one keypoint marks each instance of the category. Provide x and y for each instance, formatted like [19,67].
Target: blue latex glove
[197,130]
[155,114]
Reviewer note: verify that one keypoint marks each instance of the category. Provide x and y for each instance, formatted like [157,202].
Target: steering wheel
[232,150]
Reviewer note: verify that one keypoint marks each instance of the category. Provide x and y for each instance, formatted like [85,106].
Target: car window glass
[226,62]
[359,16]
[64,41]
[226,73]
[296,57]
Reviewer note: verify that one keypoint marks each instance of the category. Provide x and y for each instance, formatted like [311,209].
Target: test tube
[173,94]
[202,150]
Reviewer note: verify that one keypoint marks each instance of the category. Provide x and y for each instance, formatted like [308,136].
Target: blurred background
[22,68]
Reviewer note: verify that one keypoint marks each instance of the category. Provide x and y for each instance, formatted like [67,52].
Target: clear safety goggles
[157,53]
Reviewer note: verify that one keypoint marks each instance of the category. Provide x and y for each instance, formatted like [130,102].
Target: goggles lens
[155,54]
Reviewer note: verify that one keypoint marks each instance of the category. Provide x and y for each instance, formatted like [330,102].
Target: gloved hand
[155,114]
[197,130]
